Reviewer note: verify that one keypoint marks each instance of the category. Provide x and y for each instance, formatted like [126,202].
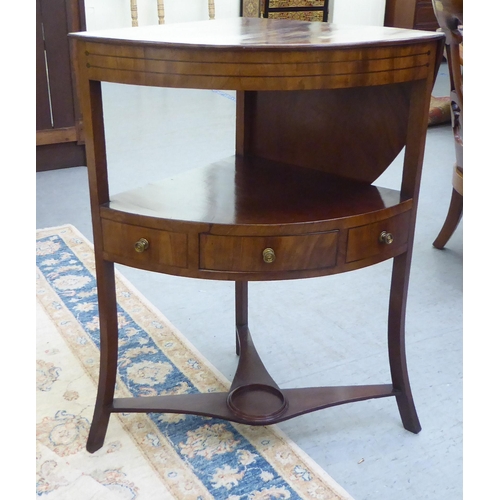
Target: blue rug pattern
[228,459]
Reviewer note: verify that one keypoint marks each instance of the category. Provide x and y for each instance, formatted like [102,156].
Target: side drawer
[246,253]
[163,247]
[364,241]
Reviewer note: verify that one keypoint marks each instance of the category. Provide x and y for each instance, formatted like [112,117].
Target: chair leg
[452,219]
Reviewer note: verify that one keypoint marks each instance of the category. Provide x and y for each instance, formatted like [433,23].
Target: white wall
[103,14]
[365,12]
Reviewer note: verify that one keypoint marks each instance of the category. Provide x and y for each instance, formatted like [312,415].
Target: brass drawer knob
[141,245]
[386,238]
[268,255]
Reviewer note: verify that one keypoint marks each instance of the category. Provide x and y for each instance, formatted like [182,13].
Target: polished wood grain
[261,34]
[321,113]
[231,210]
[364,242]
[254,193]
[365,127]
[245,254]
[300,401]
[214,222]
[253,54]
[167,248]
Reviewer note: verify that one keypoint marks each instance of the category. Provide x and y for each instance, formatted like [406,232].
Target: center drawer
[268,253]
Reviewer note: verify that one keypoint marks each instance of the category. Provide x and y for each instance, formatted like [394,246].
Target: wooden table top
[256,54]
[257,33]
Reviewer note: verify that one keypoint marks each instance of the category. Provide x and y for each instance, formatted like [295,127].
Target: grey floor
[322,331]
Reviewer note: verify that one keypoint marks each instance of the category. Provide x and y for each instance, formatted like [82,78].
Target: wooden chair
[449,14]
[161,11]
[302,10]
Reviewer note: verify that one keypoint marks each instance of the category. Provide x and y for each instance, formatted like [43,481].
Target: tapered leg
[241,302]
[108,324]
[396,343]
[452,219]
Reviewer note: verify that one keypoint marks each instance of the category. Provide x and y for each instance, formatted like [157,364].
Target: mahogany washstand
[322,111]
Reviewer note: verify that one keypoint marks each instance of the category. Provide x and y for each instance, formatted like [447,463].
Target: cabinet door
[59,142]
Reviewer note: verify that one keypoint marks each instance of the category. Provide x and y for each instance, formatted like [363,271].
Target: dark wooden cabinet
[59,137]
[414,14]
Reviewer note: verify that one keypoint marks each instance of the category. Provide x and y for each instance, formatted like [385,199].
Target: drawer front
[283,253]
[163,247]
[364,241]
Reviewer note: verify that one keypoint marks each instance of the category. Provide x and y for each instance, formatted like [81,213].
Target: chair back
[449,14]
[303,10]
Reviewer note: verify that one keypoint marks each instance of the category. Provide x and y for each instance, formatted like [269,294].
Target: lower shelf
[298,402]
[254,193]
[253,398]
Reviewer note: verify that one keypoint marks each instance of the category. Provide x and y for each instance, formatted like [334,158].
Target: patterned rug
[145,456]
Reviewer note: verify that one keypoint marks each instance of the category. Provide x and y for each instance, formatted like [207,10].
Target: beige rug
[154,456]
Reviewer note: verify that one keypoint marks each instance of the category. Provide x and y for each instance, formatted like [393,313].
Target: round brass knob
[386,238]
[141,245]
[268,255]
